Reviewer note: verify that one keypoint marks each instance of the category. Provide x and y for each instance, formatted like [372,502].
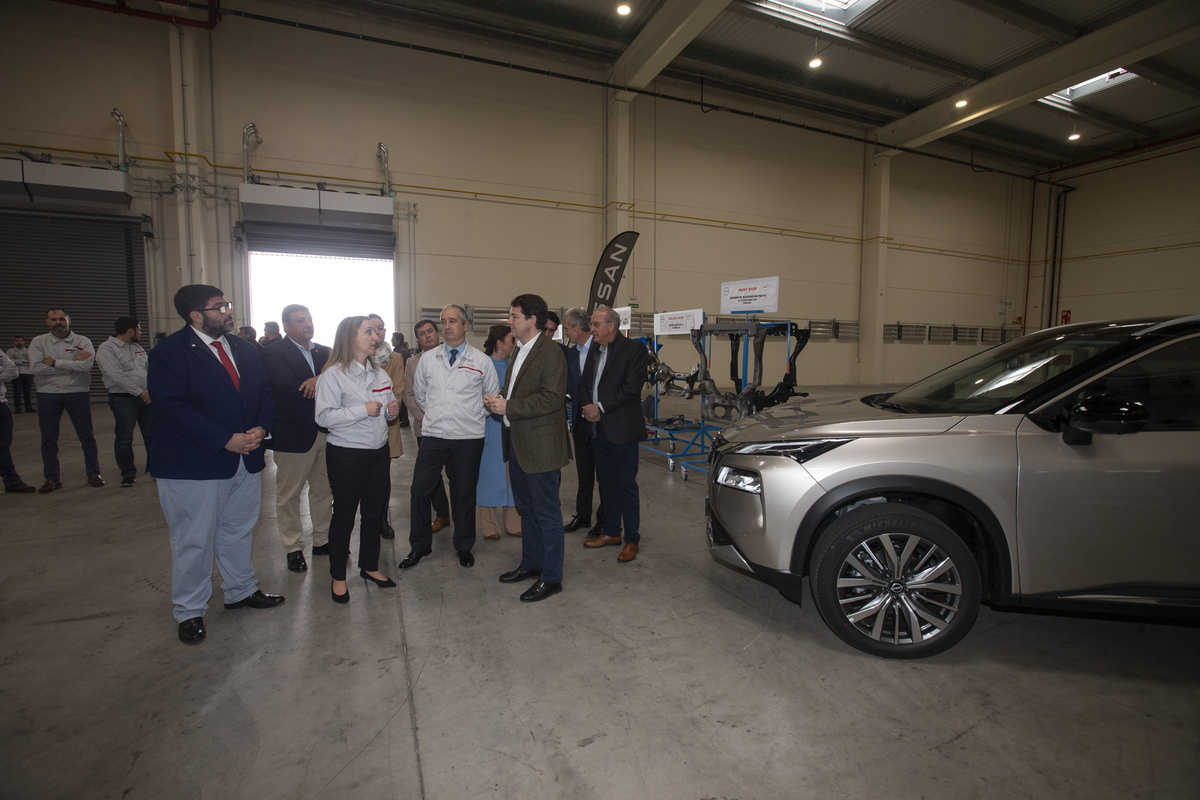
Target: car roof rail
[1170,323]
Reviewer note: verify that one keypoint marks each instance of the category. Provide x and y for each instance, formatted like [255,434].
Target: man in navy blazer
[292,365]
[213,409]
[610,392]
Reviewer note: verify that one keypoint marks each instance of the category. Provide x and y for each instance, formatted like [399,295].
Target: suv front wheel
[894,581]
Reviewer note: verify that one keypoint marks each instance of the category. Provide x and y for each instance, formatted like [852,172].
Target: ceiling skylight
[837,12]
[1093,85]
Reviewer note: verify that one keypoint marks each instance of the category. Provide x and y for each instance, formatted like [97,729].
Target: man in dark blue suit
[292,365]
[576,330]
[610,391]
[213,409]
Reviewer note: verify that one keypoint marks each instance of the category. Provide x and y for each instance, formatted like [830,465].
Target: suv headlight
[743,480]
[799,452]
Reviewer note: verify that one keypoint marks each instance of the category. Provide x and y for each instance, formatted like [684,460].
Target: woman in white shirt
[354,402]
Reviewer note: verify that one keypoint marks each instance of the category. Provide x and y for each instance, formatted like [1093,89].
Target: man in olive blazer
[535,445]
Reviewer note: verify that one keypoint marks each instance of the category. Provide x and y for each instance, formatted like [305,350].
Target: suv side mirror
[1104,413]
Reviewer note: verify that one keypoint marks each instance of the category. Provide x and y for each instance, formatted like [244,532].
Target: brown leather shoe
[602,540]
[439,523]
[95,480]
[50,485]
[628,553]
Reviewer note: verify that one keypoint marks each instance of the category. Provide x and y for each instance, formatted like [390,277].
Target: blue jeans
[78,406]
[22,386]
[129,411]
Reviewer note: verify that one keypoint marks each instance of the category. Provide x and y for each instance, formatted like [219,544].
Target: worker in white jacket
[62,362]
[122,362]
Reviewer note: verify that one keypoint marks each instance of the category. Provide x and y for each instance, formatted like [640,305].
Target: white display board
[758,296]
[678,321]
[626,313]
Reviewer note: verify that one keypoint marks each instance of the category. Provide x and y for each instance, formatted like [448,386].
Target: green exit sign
[633,305]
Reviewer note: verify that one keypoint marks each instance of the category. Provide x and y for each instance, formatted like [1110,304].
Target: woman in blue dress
[493,493]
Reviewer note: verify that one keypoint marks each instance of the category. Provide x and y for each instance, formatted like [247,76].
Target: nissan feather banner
[610,270]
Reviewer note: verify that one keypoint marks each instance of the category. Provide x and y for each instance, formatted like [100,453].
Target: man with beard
[213,408]
[62,361]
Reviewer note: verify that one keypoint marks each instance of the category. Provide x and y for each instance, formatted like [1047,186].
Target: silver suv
[1054,471]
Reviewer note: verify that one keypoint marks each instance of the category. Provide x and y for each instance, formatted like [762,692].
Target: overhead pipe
[387,179]
[247,174]
[121,8]
[122,161]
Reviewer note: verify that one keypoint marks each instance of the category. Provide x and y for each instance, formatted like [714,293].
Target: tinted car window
[991,381]
[1166,381]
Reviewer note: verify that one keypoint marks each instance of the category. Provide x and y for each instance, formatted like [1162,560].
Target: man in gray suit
[535,445]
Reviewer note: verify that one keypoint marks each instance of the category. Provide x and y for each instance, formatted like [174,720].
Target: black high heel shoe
[386,583]
[340,598]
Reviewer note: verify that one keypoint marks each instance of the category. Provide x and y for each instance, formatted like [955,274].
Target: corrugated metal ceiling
[897,58]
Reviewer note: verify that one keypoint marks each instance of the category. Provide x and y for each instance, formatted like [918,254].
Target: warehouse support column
[198,261]
[877,173]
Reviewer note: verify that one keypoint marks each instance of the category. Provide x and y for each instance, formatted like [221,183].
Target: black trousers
[359,480]
[441,503]
[585,469]
[433,454]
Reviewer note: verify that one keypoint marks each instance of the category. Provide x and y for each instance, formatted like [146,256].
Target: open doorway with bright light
[332,287]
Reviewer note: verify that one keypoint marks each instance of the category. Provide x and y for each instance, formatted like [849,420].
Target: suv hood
[846,417]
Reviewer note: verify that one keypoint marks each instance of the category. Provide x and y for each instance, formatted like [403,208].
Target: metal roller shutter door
[93,266]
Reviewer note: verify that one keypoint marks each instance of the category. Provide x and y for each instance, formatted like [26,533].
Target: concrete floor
[670,677]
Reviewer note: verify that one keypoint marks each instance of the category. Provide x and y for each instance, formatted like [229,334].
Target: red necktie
[237,384]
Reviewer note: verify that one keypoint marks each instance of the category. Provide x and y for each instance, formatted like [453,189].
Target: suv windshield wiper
[882,401]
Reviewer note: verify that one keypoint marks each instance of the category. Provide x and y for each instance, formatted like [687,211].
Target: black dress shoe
[386,583]
[576,523]
[191,631]
[540,591]
[598,529]
[412,559]
[465,558]
[517,575]
[320,550]
[258,600]
[296,562]
[387,531]
[340,598]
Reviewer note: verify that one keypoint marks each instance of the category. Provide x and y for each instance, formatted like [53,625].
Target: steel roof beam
[662,38]
[1162,27]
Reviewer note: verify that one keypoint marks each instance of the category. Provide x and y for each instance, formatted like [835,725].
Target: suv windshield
[993,380]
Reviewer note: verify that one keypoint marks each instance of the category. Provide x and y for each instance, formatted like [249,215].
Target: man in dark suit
[610,390]
[292,365]
[213,409]
[535,445]
[577,330]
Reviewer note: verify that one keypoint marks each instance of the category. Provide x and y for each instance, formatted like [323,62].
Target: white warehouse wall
[507,173]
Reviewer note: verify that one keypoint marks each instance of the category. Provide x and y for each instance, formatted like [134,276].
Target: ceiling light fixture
[624,9]
[1074,133]
[962,103]
[816,59]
